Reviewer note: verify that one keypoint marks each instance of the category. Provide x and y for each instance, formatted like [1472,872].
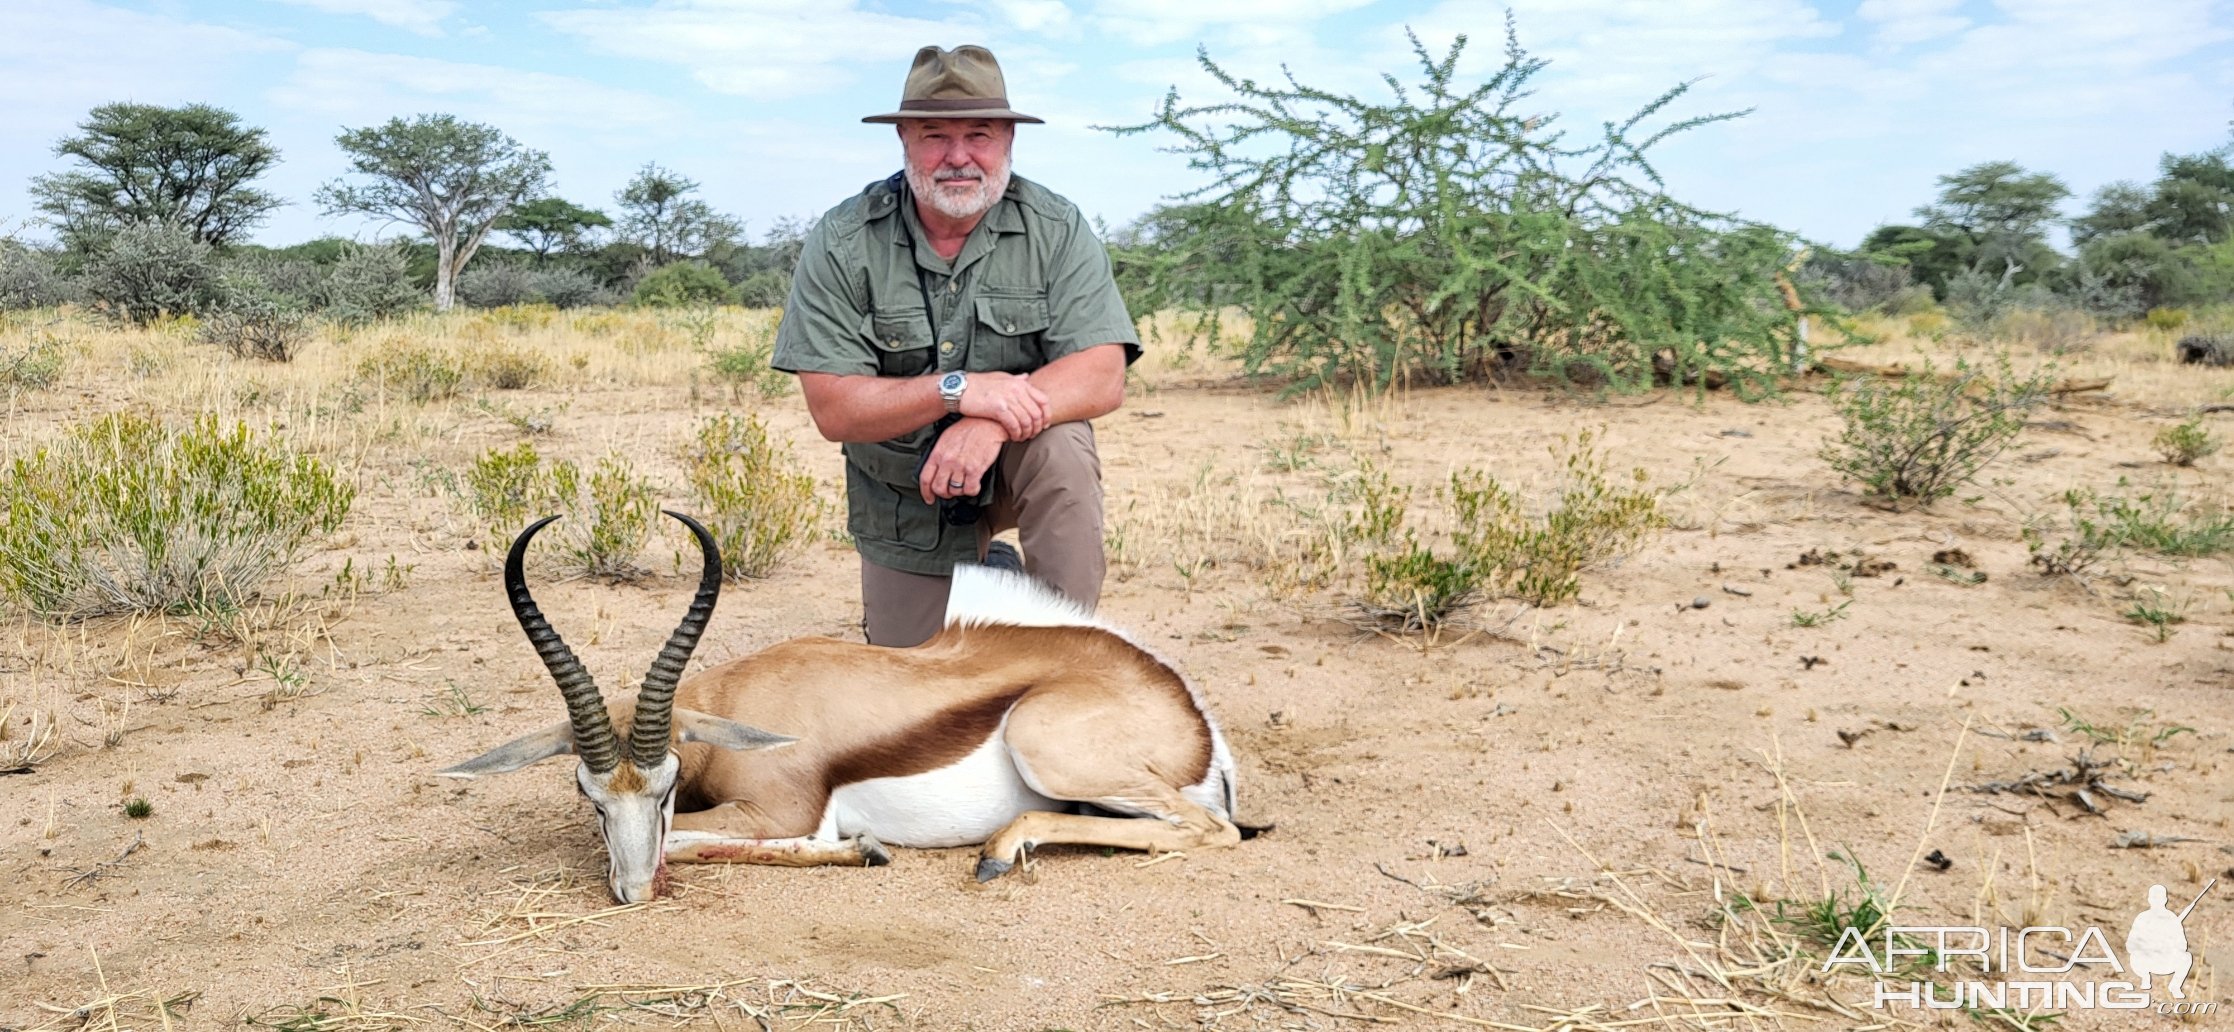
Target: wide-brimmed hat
[964,82]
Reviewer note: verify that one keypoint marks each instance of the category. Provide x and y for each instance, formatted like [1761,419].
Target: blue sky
[1857,106]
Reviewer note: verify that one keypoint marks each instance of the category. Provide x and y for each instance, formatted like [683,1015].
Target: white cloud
[1901,22]
[421,16]
[1156,22]
[359,86]
[60,59]
[765,49]
[1046,17]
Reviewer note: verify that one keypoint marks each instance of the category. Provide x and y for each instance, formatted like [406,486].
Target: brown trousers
[1049,491]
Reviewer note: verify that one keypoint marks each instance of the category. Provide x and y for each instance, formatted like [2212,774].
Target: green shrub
[768,288]
[746,364]
[2055,330]
[34,365]
[498,284]
[608,513]
[613,512]
[31,279]
[368,282]
[414,373]
[1454,230]
[760,505]
[1418,590]
[1541,559]
[1916,438]
[354,284]
[128,513]
[257,330]
[144,273]
[2158,612]
[504,367]
[508,489]
[1496,547]
[2182,444]
[682,284]
[2166,319]
[2103,527]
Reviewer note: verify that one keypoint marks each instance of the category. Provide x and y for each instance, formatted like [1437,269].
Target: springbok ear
[517,753]
[722,733]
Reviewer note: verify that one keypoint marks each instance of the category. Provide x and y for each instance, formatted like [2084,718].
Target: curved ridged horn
[655,703]
[593,726]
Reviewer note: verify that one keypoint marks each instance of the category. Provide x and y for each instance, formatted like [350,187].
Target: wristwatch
[950,390]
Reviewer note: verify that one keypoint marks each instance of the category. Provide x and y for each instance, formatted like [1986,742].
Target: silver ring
[954,483]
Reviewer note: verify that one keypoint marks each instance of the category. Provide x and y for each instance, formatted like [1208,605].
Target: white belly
[959,805]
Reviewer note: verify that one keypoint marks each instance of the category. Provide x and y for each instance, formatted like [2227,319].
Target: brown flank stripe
[938,742]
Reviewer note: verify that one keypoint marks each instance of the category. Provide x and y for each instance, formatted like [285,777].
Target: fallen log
[1896,372]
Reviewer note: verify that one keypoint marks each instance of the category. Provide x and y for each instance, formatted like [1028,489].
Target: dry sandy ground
[1551,820]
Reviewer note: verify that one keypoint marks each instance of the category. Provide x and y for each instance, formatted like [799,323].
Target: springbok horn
[593,727]
[655,703]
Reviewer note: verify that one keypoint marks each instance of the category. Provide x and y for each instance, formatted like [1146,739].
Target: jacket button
[1009,328]
[946,347]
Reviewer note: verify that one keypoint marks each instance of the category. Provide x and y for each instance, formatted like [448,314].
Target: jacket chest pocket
[903,344]
[1010,333]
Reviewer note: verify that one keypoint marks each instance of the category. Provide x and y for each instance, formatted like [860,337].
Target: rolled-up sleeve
[824,329]
[1082,297]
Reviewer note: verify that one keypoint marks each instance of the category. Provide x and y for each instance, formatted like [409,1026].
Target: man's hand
[960,457]
[1010,400]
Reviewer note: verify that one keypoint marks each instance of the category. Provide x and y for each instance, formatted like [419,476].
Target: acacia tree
[658,214]
[2003,213]
[550,223]
[1451,233]
[451,178]
[142,164]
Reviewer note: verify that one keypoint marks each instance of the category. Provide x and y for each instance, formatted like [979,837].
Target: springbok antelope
[1023,722]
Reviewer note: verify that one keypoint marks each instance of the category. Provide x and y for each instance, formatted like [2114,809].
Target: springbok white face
[632,790]
[634,822]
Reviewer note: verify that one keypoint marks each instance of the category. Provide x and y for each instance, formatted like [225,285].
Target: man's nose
[956,154]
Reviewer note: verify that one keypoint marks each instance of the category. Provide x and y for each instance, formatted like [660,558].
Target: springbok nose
[640,892]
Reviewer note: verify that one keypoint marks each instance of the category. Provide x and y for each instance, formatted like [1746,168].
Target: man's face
[958,167]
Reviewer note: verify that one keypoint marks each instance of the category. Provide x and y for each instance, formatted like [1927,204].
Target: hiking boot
[1001,555]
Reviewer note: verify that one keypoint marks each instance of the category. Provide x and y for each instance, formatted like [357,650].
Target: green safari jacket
[1030,285]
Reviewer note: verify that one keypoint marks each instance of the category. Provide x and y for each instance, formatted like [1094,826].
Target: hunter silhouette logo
[2157,942]
[2032,968]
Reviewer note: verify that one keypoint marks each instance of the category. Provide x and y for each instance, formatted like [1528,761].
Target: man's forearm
[870,408]
[1083,385]
[1079,386]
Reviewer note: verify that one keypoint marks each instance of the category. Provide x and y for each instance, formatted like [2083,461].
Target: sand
[1543,818]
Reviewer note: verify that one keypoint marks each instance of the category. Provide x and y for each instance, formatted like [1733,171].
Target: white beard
[990,187]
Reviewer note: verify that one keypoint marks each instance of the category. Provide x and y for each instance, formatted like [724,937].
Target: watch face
[951,382]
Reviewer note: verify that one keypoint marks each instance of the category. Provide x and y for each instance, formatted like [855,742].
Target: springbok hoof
[873,853]
[989,868]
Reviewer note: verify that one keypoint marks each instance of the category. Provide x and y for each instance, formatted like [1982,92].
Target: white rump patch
[981,596]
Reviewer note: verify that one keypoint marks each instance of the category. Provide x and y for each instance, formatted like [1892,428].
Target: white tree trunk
[445,273]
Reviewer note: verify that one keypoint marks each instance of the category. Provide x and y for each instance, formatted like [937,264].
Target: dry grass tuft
[118,1011]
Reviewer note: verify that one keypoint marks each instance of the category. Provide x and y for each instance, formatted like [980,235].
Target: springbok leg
[726,835]
[1183,825]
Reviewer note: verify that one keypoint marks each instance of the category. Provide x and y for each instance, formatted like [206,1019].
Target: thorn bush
[131,514]
[608,511]
[415,373]
[760,505]
[1916,438]
[1496,547]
